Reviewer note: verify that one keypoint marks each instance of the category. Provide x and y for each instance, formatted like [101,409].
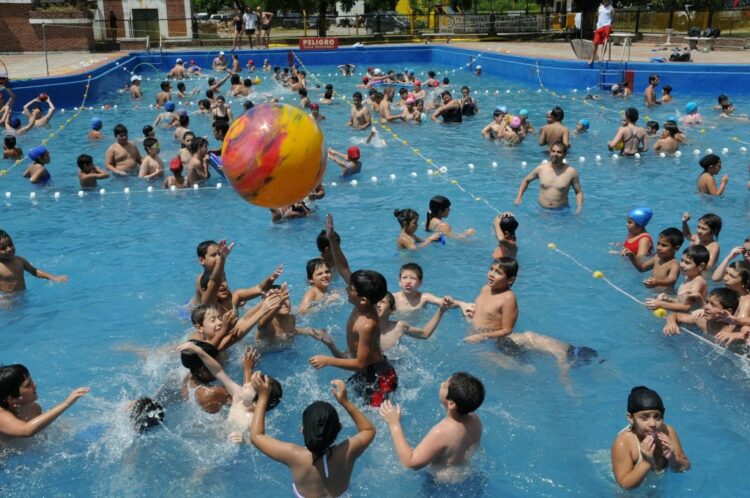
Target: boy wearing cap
[220,62]
[12,268]
[135,87]
[96,126]
[178,71]
[582,126]
[526,127]
[350,162]
[168,119]
[315,112]
[36,172]
[647,443]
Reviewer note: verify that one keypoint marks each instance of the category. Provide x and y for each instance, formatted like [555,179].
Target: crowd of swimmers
[223,316]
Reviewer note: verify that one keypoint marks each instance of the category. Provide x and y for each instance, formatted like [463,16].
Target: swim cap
[15,122]
[515,122]
[642,398]
[221,53]
[585,123]
[691,107]
[314,106]
[410,100]
[417,83]
[523,112]
[169,106]
[502,108]
[479,67]
[37,152]
[411,71]
[320,426]
[365,79]
[353,152]
[96,124]
[135,78]
[641,215]
[672,119]
[192,62]
[178,61]
[181,111]
[377,71]
[175,165]
[250,62]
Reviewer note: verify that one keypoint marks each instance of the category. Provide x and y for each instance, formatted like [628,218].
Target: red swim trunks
[601,34]
[375,382]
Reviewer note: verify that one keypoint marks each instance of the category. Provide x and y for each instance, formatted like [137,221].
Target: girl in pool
[409,220]
[440,208]
[647,443]
[469,105]
[706,233]
[638,240]
[711,165]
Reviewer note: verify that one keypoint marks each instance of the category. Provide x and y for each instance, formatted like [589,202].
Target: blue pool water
[132,265]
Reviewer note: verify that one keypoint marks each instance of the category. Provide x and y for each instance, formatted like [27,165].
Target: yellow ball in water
[597,274]
[256,81]
[274,155]
[660,312]
[552,246]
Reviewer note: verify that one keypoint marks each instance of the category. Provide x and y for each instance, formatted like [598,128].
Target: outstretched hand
[391,413]
[251,357]
[77,393]
[339,391]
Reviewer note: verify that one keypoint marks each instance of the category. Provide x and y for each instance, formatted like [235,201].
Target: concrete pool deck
[32,65]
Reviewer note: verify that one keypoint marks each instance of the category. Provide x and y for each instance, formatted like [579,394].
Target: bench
[431,36]
[694,40]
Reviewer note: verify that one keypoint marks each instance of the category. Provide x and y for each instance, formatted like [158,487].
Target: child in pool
[651,128]
[409,221]
[10,151]
[706,234]
[244,397]
[666,94]
[36,172]
[647,443]
[145,413]
[319,278]
[168,118]
[391,332]
[692,116]
[711,165]
[409,298]
[638,242]
[743,250]
[582,126]
[152,165]
[711,319]
[692,292]
[448,447]
[505,226]
[176,180]
[12,267]
[665,267]
[439,209]
[668,143]
[279,326]
[96,127]
[88,173]
[350,163]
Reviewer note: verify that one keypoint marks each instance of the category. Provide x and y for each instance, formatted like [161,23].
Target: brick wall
[177,18]
[19,35]
[116,7]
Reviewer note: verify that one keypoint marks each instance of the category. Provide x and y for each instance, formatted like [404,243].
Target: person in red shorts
[605,17]
[374,378]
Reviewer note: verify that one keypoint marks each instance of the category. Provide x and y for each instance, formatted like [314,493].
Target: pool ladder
[613,72]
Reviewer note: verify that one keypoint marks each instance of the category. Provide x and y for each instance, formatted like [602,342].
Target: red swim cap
[353,152]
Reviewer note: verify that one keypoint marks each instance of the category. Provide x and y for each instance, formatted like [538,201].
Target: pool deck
[32,65]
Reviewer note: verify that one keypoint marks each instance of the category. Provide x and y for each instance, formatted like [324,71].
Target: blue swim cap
[523,112]
[15,122]
[641,215]
[169,106]
[691,107]
[672,118]
[96,124]
[37,152]
[502,108]
[585,123]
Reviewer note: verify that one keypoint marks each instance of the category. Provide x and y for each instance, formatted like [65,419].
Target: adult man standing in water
[555,178]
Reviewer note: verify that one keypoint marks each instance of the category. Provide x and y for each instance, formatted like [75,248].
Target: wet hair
[147,130]
[119,129]
[193,362]
[202,248]
[235,79]
[211,81]
[642,398]
[187,134]
[402,91]
[743,268]
[369,284]
[221,125]
[667,89]
[509,224]
[84,160]
[671,128]
[391,301]
[328,94]
[722,98]
[411,267]
[673,236]
[728,299]
[320,427]
[209,94]
[446,81]
[199,313]
[713,222]
[653,124]
[431,74]
[405,216]
[446,92]
[274,395]
[5,238]
[221,98]
[204,103]
[149,142]
[438,204]
[184,120]
[557,113]
[698,254]
[181,86]
[196,145]
[11,378]
[561,146]
[322,240]
[10,142]
[302,92]
[247,105]
[247,82]
[313,265]
[146,413]
[164,85]
[631,114]
[466,391]
[709,160]
[652,78]
[507,264]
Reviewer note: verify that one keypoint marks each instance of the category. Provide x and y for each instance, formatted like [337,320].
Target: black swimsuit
[452,115]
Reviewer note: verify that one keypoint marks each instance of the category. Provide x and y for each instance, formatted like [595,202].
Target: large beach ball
[274,155]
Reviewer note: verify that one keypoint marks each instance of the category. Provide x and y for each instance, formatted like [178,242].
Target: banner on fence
[318,43]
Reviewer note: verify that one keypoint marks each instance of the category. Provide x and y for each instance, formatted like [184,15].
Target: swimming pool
[132,265]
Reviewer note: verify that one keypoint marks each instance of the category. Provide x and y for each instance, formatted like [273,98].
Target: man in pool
[449,445]
[122,157]
[556,179]
[649,94]
[375,377]
[360,115]
[554,131]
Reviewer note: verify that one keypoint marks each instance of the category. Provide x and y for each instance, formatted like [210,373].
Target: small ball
[598,158]
[102,191]
[677,153]
[218,186]
[57,196]
[637,155]
[581,159]
[661,154]
[597,274]
[524,164]
[615,157]
[413,174]
[126,191]
[660,313]
[552,246]
[725,151]
[333,184]
[150,189]
[81,193]
[393,177]
[353,183]
[709,151]
[173,188]
[697,151]
[443,169]
[430,172]
[32,195]
[374,179]
[8,195]
[494,164]
[196,187]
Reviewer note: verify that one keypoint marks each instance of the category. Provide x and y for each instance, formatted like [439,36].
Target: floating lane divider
[53,135]
[34,197]
[442,172]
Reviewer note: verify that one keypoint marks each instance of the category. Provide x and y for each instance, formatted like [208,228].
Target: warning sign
[318,43]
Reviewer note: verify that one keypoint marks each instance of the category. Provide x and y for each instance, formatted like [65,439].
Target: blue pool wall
[559,75]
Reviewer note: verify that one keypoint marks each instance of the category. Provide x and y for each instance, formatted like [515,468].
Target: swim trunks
[581,355]
[632,245]
[453,115]
[601,35]
[375,382]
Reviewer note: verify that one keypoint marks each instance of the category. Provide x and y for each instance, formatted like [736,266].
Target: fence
[731,22]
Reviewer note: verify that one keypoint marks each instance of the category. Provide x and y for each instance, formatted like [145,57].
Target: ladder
[613,72]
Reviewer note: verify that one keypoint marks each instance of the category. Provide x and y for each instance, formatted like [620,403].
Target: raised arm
[213,366]
[431,326]
[685,227]
[208,296]
[269,446]
[358,443]
[339,260]
[718,273]
[426,451]
[14,427]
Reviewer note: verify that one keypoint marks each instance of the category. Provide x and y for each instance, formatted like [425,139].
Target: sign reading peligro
[318,43]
